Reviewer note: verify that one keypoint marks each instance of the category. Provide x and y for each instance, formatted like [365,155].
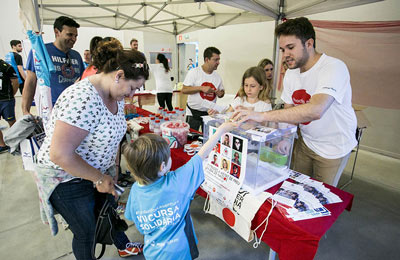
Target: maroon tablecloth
[291,240]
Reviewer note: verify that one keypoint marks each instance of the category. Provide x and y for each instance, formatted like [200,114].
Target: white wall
[241,46]
[11,27]
[384,134]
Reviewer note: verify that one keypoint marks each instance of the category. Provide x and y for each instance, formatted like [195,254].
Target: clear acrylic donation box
[269,150]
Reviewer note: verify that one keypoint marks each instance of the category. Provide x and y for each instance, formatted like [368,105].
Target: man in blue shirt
[67,62]
[15,60]
[86,58]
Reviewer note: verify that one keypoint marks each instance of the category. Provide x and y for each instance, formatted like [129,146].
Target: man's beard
[303,60]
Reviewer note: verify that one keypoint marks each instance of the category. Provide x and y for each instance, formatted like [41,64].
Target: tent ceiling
[173,16]
[180,16]
[293,8]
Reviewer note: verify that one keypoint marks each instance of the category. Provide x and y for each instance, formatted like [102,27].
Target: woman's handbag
[107,226]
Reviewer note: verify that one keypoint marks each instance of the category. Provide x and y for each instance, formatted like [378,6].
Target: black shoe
[4,149]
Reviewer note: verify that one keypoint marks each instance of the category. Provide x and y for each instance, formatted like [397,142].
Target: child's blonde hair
[145,156]
[259,75]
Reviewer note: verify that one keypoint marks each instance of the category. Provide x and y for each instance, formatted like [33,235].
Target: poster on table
[225,168]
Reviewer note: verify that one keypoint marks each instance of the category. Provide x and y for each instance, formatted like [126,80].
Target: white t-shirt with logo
[259,106]
[197,77]
[162,78]
[332,136]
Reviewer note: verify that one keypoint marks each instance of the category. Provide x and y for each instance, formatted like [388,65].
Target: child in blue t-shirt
[159,200]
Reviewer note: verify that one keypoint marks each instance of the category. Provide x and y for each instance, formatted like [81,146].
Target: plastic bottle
[151,123]
[160,110]
[182,113]
[174,116]
[157,129]
[177,111]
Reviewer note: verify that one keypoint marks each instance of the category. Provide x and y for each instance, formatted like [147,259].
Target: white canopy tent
[176,16]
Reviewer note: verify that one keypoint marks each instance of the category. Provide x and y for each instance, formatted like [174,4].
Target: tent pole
[276,54]
[36,5]
[176,50]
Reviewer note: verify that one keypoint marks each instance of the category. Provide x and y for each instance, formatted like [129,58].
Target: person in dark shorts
[9,86]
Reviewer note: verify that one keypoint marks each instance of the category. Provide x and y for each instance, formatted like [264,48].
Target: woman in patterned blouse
[76,163]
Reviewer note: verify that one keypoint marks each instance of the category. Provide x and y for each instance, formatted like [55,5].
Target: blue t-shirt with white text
[69,67]
[159,211]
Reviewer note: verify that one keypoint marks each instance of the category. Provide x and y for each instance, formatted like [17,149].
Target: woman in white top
[162,76]
[254,92]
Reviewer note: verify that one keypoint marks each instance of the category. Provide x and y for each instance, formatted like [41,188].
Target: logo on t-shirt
[67,71]
[300,97]
[208,96]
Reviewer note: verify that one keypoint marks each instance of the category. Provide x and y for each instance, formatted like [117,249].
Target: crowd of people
[75,166]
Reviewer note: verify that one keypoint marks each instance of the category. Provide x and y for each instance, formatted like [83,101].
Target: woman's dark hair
[110,56]
[93,43]
[163,60]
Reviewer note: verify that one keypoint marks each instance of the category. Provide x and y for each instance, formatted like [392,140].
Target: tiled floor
[370,231]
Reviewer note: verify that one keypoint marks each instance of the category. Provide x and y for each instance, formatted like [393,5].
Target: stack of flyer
[304,198]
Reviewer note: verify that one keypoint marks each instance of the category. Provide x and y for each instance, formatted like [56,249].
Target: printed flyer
[225,168]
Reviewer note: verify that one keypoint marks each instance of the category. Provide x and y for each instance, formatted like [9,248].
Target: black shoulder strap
[103,246]
[103,249]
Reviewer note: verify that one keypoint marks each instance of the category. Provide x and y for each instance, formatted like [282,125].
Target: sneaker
[132,248]
[4,149]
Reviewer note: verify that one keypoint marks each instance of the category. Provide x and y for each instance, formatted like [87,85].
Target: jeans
[75,201]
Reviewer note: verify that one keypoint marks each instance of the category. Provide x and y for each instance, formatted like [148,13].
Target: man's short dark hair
[133,40]
[208,53]
[15,43]
[300,27]
[63,20]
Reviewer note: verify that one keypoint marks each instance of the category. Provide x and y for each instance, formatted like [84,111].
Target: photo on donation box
[225,167]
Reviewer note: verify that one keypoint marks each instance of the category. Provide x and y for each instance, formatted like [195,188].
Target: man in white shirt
[203,85]
[317,96]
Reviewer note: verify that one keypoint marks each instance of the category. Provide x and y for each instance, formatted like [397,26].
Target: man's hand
[212,112]
[207,89]
[243,115]
[220,93]
[283,147]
